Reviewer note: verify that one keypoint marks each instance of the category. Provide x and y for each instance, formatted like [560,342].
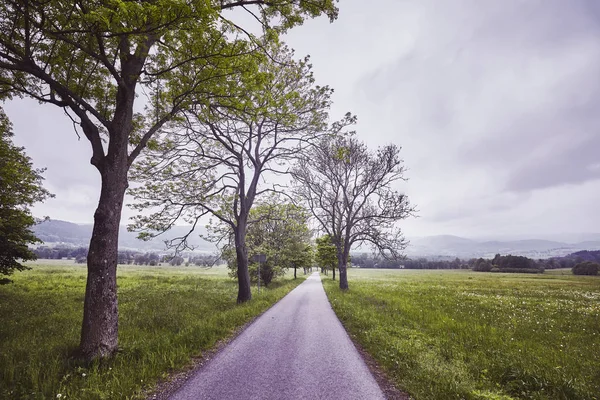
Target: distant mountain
[55,232]
[585,255]
[454,246]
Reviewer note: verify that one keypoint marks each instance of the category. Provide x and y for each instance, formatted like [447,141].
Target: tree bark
[343,277]
[343,269]
[244,292]
[99,331]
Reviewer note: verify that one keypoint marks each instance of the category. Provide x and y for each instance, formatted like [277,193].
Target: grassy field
[167,316]
[469,335]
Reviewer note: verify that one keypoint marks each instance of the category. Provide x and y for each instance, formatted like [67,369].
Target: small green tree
[279,231]
[326,254]
[20,188]
[298,253]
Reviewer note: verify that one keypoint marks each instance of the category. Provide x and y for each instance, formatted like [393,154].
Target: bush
[586,268]
[268,272]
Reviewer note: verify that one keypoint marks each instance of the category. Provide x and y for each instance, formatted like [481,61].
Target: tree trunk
[244,293]
[99,331]
[343,268]
[294,272]
[333,273]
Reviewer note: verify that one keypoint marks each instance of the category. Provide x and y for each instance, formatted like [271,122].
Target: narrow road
[296,350]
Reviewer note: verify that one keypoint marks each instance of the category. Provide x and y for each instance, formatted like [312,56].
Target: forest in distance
[357,260]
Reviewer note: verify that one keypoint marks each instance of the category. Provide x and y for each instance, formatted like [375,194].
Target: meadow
[473,335]
[168,315]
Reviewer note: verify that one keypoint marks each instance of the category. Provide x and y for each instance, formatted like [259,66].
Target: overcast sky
[496,105]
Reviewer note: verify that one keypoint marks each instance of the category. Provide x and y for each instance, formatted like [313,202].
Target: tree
[280,232]
[20,188]
[292,236]
[326,253]
[93,59]
[213,163]
[299,255]
[483,265]
[349,191]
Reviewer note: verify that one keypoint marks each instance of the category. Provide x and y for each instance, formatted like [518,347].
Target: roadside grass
[474,335]
[167,316]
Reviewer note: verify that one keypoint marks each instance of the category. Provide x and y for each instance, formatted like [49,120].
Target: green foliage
[463,335]
[326,254]
[279,231]
[83,50]
[167,316]
[20,188]
[586,268]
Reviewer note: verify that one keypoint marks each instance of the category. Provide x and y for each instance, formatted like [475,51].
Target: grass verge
[463,335]
[167,316]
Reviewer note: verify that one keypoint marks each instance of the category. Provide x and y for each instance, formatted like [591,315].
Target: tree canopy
[326,256]
[20,188]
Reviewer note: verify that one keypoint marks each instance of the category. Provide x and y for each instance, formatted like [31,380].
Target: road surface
[298,349]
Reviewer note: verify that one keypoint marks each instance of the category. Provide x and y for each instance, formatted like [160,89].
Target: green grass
[167,316]
[466,335]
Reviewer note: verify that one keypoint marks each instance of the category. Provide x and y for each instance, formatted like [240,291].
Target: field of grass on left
[167,316]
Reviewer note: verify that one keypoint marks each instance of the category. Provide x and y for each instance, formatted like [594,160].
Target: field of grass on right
[475,335]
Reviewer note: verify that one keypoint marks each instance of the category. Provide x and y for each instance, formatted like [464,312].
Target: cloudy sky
[496,105]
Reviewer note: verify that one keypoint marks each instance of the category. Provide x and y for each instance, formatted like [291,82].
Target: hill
[57,232]
[455,246]
[584,255]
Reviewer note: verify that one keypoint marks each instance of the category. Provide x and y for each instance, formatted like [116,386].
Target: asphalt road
[296,350]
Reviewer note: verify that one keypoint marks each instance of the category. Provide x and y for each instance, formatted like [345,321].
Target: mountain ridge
[54,232]
[456,246]
[59,232]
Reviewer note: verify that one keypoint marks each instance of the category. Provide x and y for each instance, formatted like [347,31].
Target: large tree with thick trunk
[351,193]
[215,161]
[94,58]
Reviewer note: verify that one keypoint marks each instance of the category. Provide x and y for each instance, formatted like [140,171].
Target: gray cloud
[494,103]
